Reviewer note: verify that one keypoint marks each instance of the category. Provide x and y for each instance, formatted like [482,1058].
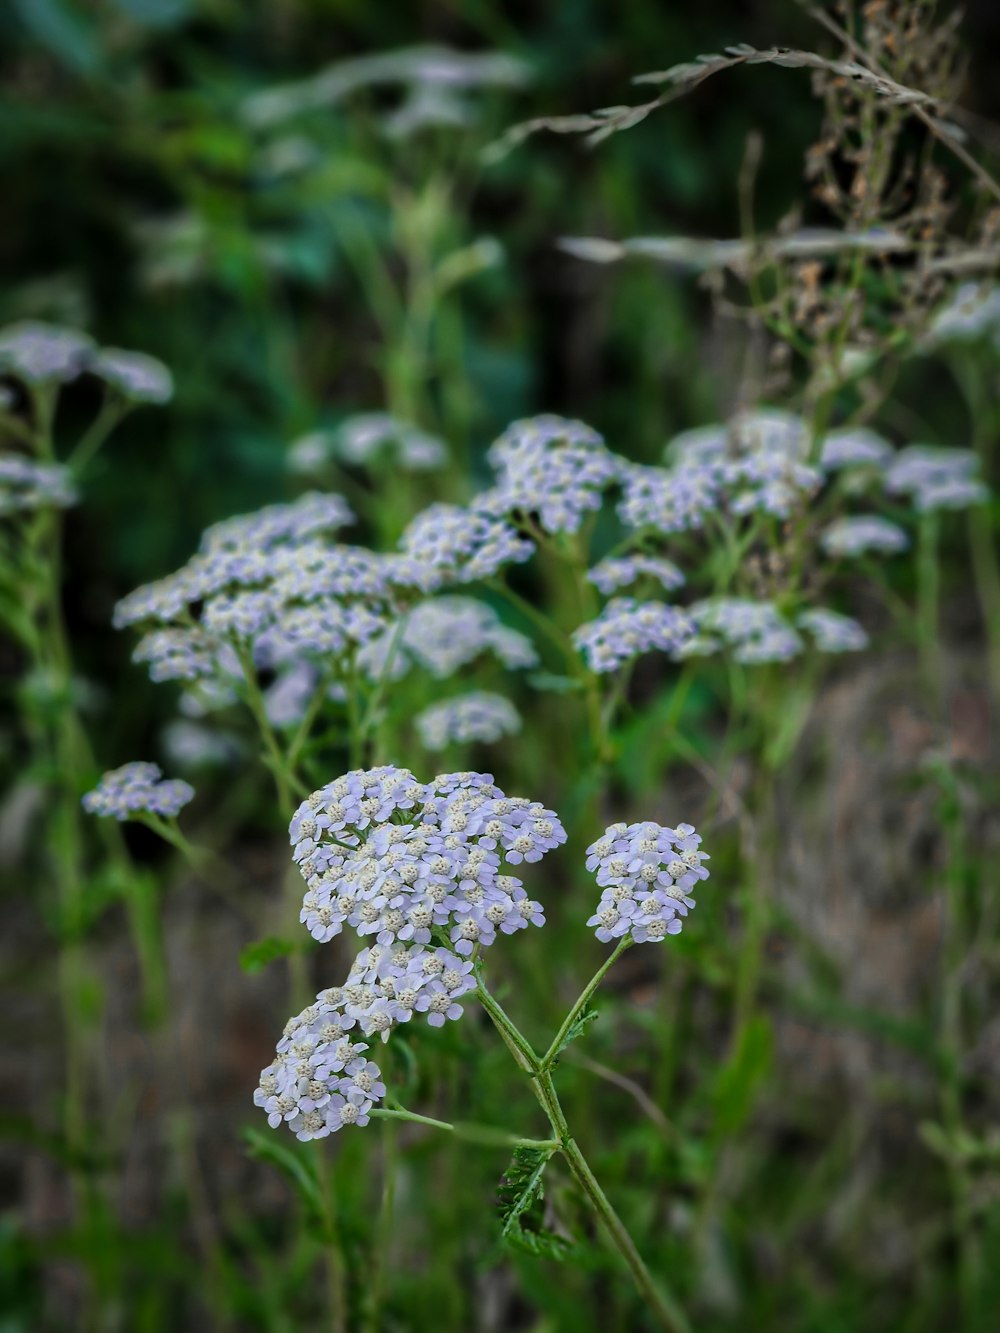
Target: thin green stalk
[486,1135]
[581,1003]
[928,600]
[663,1309]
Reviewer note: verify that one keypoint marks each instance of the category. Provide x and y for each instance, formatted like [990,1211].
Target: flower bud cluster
[136,789]
[646,873]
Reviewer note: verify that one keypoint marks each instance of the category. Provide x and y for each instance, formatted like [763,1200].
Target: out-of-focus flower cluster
[137,789]
[756,632]
[478,717]
[626,628]
[26,485]
[420,870]
[44,354]
[367,440]
[442,635]
[646,873]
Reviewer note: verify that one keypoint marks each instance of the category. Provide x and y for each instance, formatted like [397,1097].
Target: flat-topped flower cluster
[136,789]
[421,871]
[645,873]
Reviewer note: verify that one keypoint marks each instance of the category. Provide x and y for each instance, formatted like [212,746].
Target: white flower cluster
[408,865]
[936,478]
[626,628]
[447,544]
[370,439]
[26,486]
[474,717]
[861,533]
[42,354]
[645,873]
[136,789]
[757,632]
[442,635]
[549,467]
[268,584]
[620,572]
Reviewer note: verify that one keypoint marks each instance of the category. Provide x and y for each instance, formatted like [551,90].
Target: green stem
[483,1134]
[928,598]
[336,1271]
[663,1309]
[581,1002]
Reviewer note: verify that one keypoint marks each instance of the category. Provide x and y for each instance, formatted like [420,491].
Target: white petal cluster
[646,873]
[626,628]
[476,717]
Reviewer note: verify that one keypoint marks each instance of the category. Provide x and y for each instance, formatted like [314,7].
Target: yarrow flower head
[549,467]
[646,874]
[862,533]
[26,485]
[474,717]
[442,635]
[832,632]
[369,439]
[626,628]
[755,632]
[136,376]
[137,789]
[320,1080]
[613,573]
[936,478]
[38,353]
[853,448]
[448,544]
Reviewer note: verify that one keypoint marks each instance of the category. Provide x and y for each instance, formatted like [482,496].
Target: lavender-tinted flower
[367,440]
[396,859]
[442,635]
[626,628]
[550,467]
[134,375]
[614,573]
[280,524]
[474,717]
[449,544]
[178,654]
[832,632]
[137,789]
[936,478]
[26,485]
[755,632]
[666,500]
[320,1080]
[43,353]
[854,447]
[190,746]
[861,534]
[646,873]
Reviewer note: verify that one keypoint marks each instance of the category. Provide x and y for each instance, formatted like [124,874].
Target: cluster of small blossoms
[936,478]
[626,628]
[549,467]
[755,632]
[856,447]
[645,873]
[862,533]
[474,717]
[39,354]
[368,439]
[831,632]
[267,585]
[448,544]
[442,635]
[405,861]
[25,485]
[665,501]
[620,572]
[320,1080]
[136,789]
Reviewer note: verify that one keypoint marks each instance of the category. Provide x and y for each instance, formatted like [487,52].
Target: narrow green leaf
[576,1029]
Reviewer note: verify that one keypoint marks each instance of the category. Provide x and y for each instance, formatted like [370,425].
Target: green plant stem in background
[928,608]
[336,1268]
